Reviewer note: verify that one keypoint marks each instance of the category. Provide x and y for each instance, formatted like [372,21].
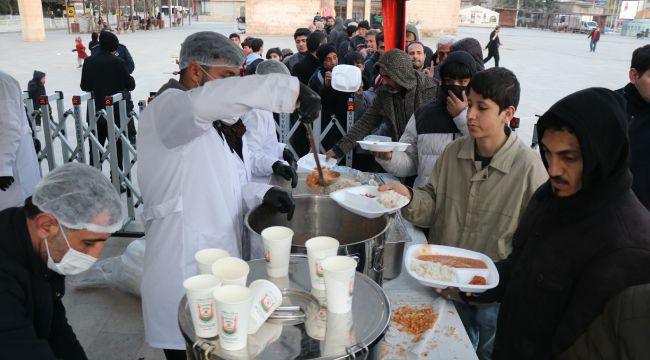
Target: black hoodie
[572,254]
[36,88]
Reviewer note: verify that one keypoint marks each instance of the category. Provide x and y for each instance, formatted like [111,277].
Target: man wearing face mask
[189,170]
[434,125]
[60,231]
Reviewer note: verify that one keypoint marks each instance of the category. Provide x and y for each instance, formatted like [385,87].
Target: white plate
[382,146]
[464,274]
[354,199]
[307,163]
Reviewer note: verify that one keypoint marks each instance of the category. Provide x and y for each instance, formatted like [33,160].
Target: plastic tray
[382,146]
[354,199]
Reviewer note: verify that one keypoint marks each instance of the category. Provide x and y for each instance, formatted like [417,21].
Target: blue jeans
[481,325]
[592,45]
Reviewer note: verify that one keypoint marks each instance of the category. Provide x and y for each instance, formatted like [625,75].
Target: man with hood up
[404,90]
[473,47]
[584,237]
[413,34]
[36,88]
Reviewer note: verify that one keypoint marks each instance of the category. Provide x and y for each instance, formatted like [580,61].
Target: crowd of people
[568,230]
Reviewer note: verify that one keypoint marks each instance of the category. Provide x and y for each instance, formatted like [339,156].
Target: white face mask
[73,261]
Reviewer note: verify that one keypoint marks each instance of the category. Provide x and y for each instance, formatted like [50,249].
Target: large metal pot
[321,216]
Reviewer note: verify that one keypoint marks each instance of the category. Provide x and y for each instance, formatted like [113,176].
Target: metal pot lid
[302,328]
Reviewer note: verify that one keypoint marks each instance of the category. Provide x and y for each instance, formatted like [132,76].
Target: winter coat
[81,50]
[304,69]
[105,74]
[33,322]
[292,60]
[194,196]
[473,207]
[369,70]
[36,88]
[396,108]
[620,332]
[124,54]
[473,47]
[571,255]
[638,127]
[494,43]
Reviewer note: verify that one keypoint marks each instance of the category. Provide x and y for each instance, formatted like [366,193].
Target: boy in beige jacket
[478,189]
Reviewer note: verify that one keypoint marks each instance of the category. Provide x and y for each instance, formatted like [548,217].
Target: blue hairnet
[209,48]
[80,197]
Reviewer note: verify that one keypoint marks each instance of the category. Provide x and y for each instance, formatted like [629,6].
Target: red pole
[394,16]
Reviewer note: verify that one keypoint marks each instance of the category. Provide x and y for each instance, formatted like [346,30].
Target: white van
[587,26]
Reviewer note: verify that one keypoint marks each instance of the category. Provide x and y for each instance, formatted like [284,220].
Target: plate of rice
[368,201]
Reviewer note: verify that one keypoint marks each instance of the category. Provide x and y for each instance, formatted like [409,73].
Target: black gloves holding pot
[281,200]
[286,171]
[6,181]
[309,104]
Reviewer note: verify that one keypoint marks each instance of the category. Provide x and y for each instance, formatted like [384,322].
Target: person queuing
[345,42]
[255,57]
[300,38]
[268,156]
[19,170]
[305,68]
[360,39]
[403,91]
[370,70]
[478,189]
[443,48]
[415,49]
[493,46]
[583,238]
[60,230]
[327,60]
[473,47]
[434,125]
[274,54]
[188,174]
[637,94]
[413,34]
[93,45]
[36,89]
[234,37]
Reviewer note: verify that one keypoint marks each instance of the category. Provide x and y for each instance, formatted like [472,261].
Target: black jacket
[304,69]
[105,74]
[639,132]
[33,323]
[35,88]
[493,44]
[571,255]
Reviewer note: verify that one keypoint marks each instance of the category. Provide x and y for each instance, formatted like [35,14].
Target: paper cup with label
[266,298]
[277,250]
[206,257]
[318,249]
[339,283]
[231,271]
[200,299]
[233,312]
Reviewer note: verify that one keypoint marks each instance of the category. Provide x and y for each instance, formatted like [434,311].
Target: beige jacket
[473,208]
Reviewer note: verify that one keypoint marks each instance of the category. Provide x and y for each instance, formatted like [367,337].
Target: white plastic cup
[200,299]
[206,257]
[339,283]
[277,250]
[266,298]
[318,249]
[233,312]
[231,271]
[339,335]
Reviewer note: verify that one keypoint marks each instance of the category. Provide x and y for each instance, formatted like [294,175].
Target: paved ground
[108,322]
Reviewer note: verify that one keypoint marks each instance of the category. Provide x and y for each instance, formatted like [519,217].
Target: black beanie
[323,51]
[108,41]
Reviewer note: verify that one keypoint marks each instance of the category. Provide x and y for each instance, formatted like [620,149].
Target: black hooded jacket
[36,88]
[571,255]
[639,131]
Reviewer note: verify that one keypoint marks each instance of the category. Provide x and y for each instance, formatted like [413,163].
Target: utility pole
[517,14]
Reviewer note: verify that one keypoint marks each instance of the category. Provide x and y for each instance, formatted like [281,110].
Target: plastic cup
[231,271]
[266,298]
[200,299]
[277,250]
[233,311]
[319,249]
[339,283]
[206,257]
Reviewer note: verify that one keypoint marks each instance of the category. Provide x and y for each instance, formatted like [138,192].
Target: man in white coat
[190,181]
[19,171]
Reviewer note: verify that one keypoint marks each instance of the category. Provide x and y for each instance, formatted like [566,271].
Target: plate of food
[382,146]
[368,201]
[307,163]
[445,266]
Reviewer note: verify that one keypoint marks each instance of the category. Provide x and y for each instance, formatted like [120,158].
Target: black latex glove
[5,182]
[310,104]
[281,200]
[286,171]
[287,156]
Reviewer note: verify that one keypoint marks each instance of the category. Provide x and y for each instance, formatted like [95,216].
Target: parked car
[587,26]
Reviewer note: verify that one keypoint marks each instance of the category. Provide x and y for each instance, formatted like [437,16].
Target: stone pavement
[108,322]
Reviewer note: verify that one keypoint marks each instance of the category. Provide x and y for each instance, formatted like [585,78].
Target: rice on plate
[391,199]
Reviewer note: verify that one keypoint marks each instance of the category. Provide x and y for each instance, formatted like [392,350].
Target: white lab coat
[17,153]
[192,190]
[263,143]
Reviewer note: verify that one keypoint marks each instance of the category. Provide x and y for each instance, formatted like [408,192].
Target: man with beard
[403,91]
[300,38]
[637,94]
[189,155]
[583,238]
[415,50]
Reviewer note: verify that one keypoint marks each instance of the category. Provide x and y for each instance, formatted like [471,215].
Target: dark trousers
[492,54]
[175,354]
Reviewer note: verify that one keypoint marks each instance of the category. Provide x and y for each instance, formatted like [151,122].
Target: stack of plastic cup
[277,250]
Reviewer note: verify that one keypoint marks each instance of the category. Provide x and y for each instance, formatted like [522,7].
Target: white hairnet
[271,67]
[76,194]
[210,49]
